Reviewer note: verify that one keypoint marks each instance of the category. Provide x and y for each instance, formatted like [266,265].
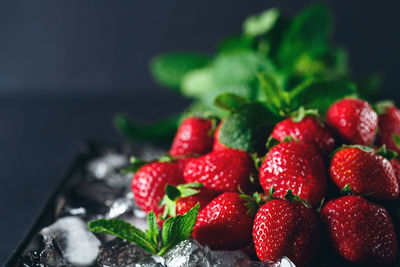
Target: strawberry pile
[311,179]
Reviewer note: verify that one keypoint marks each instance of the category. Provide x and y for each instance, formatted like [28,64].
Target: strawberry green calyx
[174,230]
[255,201]
[299,114]
[386,153]
[396,139]
[363,148]
[346,190]
[381,106]
[295,198]
[271,142]
[173,193]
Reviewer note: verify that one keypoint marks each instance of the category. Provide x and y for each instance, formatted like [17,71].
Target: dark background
[67,66]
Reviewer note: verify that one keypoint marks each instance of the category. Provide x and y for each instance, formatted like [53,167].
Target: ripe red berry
[294,166]
[217,144]
[184,204]
[396,168]
[389,126]
[285,228]
[360,231]
[354,120]
[224,224]
[222,171]
[308,130]
[365,173]
[194,137]
[148,184]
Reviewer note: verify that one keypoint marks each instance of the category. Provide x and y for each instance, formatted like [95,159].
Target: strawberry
[365,172]
[224,224]
[389,127]
[180,199]
[286,228]
[222,171]
[217,144]
[194,137]
[354,120]
[396,168]
[308,130]
[296,166]
[149,183]
[360,231]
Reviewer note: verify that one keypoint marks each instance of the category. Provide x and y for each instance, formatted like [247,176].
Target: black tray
[47,213]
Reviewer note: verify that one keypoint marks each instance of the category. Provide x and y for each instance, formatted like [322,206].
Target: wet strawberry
[222,171]
[365,172]
[295,166]
[354,120]
[217,144]
[285,228]
[148,184]
[194,137]
[360,231]
[308,130]
[389,127]
[224,223]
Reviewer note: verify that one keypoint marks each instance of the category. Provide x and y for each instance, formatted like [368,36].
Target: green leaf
[276,99]
[159,132]
[298,115]
[291,197]
[320,94]
[248,128]
[230,101]
[309,30]
[122,230]
[369,87]
[235,44]
[271,142]
[169,69]
[135,165]
[172,192]
[177,229]
[262,23]
[153,232]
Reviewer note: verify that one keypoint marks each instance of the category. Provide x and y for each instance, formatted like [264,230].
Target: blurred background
[67,66]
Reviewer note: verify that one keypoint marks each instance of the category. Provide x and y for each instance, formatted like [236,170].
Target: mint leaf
[276,99]
[230,101]
[159,132]
[308,31]
[169,69]
[177,229]
[248,128]
[153,232]
[122,230]
[320,94]
[235,44]
[262,23]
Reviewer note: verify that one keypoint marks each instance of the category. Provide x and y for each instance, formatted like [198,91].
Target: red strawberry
[365,173]
[396,168]
[222,171]
[224,223]
[180,199]
[217,144]
[294,166]
[308,130]
[389,126]
[194,136]
[148,184]
[286,228]
[354,120]
[360,231]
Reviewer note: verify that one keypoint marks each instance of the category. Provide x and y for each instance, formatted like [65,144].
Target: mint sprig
[174,230]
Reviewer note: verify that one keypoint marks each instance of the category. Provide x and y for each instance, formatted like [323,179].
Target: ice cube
[118,252]
[105,165]
[71,235]
[120,206]
[153,261]
[283,262]
[191,253]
